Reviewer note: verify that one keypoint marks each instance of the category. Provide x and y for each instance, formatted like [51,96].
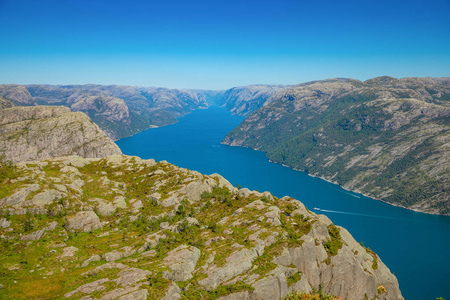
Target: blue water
[413,245]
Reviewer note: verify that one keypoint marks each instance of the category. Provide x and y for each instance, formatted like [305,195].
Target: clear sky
[220,44]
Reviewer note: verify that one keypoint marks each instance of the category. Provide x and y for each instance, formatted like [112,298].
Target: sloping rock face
[387,138]
[17,94]
[5,103]
[42,132]
[214,241]
[244,100]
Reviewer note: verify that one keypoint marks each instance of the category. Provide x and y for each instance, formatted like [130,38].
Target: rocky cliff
[42,132]
[246,99]
[125,228]
[387,138]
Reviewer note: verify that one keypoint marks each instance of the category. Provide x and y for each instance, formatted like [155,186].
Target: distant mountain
[387,138]
[120,111]
[246,99]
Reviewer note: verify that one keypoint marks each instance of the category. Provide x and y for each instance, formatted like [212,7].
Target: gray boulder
[171,201]
[136,295]
[91,259]
[195,189]
[4,223]
[237,263]
[118,254]
[104,208]
[45,198]
[85,221]
[119,202]
[173,293]
[181,261]
[20,196]
[130,276]
[89,288]
[34,236]
[245,295]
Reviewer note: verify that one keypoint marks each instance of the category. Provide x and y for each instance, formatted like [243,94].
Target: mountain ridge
[121,111]
[362,136]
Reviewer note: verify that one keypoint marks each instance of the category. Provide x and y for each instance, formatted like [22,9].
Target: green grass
[221,290]
[294,278]
[335,243]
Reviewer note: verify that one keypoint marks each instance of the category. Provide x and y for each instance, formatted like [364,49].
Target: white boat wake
[356,196]
[357,214]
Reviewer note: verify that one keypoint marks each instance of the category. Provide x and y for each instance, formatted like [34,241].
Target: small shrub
[294,278]
[333,245]
[7,169]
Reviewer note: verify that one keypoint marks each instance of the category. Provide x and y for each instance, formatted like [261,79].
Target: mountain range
[387,138]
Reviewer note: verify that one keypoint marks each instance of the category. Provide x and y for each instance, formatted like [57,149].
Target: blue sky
[220,44]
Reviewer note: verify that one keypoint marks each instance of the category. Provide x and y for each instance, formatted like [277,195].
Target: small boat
[316,208]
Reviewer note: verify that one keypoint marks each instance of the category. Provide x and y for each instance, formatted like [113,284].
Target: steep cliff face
[388,138]
[246,99]
[125,227]
[42,132]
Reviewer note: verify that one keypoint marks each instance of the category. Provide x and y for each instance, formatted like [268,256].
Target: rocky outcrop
[42,132]
[214,241]
[387,138]
[85,221]
[181,261]
[16,94]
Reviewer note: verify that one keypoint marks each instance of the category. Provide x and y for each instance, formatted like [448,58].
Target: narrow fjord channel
[415,246]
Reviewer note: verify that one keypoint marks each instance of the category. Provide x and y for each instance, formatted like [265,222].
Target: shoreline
[361,193]
[336,183]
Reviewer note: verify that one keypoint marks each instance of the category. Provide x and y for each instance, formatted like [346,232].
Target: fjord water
[415,246]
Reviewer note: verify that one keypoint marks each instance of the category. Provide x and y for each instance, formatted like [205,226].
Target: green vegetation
[333,245]
[294,278]
[140,233]
[8,170]
[381,289]
[221,290]
[375,258]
